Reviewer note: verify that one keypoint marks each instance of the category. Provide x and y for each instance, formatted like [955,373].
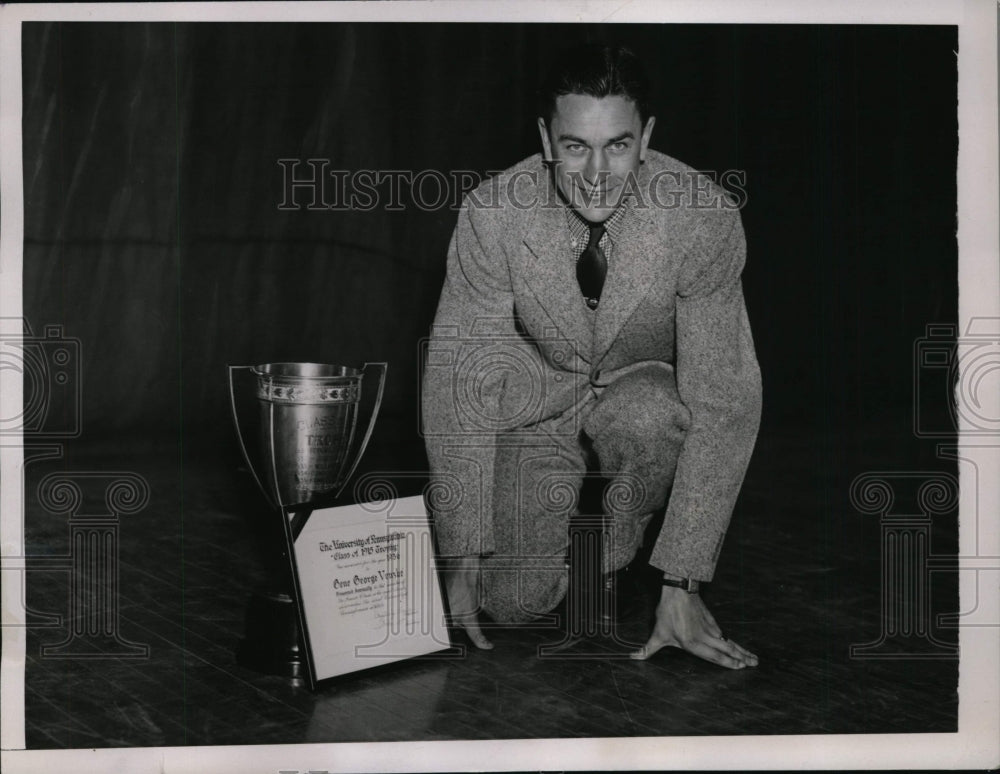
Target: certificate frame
[365,586]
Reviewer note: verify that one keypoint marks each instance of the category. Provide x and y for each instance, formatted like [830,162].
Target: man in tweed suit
[535,375]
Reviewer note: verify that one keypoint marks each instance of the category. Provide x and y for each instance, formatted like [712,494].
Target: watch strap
[690,585]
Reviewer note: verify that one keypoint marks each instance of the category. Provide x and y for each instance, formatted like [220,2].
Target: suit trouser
[635,428]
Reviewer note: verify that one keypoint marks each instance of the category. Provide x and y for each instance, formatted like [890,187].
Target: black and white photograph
[552,387]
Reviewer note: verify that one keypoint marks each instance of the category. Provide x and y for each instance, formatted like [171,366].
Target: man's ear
[543,132]
[647,132]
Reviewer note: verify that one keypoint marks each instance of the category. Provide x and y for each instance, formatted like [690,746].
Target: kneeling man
[592,315]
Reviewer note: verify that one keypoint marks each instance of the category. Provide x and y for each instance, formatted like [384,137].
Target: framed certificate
[368,586]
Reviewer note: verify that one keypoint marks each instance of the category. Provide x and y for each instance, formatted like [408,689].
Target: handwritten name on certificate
[369,585]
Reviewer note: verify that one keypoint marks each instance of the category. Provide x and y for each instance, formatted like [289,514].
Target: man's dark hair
[596,70]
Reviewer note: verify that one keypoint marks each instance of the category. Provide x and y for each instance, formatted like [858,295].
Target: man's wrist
[690,585]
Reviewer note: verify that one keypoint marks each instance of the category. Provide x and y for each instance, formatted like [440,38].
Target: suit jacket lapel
[630,272]
[550,274]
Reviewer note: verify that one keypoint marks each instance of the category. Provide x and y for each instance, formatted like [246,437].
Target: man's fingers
[470,623]
[715,649]
[720,642]
[735,651]
[476,634]
[700,648]
[463,598]
[750,658]
[707,651]
[653,644]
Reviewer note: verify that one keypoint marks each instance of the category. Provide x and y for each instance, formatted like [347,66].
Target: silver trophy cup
[308,416]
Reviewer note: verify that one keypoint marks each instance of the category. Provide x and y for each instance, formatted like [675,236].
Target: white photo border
[976,743]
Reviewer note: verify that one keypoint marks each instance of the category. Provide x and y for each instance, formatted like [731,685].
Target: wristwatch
[690,585]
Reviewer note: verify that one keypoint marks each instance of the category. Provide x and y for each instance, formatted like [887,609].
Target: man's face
[595,143]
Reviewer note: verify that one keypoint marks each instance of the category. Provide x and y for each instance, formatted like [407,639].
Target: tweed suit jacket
[513,346]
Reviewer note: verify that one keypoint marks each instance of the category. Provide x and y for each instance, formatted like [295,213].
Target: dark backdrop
[153,232]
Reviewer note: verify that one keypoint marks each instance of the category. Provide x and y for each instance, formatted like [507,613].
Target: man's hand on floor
[462,586]
[683,621]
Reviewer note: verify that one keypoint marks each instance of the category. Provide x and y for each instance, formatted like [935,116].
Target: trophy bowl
[309,413]
[308,417]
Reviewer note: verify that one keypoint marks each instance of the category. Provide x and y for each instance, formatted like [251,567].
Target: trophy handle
[383,368]
[239,431]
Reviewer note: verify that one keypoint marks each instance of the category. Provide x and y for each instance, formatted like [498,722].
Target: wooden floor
[799,583]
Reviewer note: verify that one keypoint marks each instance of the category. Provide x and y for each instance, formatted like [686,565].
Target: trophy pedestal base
[271,645]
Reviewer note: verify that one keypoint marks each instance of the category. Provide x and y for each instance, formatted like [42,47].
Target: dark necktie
[592,267]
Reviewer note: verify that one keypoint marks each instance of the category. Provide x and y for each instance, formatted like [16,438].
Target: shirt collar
[613,224]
